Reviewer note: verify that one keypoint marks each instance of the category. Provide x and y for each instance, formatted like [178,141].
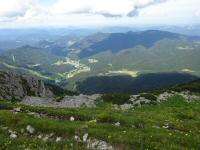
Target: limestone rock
[16,87]
[68,101]
[99,144]
[85,136]
[13,135]
[45,138]
[18,109]
[58,139]
[30,129]
[72,118]
[117,124]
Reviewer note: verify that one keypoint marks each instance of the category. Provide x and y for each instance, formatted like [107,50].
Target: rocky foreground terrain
[170,124]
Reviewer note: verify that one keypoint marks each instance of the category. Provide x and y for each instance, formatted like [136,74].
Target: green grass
[141,128]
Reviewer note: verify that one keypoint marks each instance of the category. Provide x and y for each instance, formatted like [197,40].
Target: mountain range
[104,54]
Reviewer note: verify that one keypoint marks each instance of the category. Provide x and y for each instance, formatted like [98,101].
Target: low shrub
[116,98]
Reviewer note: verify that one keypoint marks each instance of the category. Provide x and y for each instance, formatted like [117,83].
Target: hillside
[33,61]
[166,55]
[193,87]
[118,41]
[128,84]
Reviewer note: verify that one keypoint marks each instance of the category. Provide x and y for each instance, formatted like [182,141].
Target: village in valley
[79,68]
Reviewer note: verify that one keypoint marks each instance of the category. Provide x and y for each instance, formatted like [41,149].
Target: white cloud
[14,8]
[97,12]
[106,8]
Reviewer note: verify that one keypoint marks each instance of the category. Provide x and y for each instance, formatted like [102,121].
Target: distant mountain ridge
[115,42]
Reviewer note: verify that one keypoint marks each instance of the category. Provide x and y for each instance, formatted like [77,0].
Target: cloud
[107,8]
[25,13]
[141,5]
[14,8]
[11,10]
[197,14]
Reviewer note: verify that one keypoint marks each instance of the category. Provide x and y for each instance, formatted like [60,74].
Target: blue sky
[62,13]
[47,2]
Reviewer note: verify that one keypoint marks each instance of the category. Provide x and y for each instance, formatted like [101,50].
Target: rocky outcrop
[16,87]
[139,100]
[68,101]
[91,100]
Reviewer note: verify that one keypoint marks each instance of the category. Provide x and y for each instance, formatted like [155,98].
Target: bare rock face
[16,87]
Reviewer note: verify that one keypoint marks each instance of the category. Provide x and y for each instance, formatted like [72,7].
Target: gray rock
[185,94]
[134,97]
[39,136]
[138,101]
[126,106]
[58,139]
[72,118]
[51,134]
[85,136]
[77,138]
[164,96]
[67,101]
[99,145]
[104,146]
[16,87]
[78,101]
[45,138]
[18,109]
[117,124]
[30,129]
[13,135]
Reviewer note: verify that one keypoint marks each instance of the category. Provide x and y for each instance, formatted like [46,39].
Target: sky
[79,13]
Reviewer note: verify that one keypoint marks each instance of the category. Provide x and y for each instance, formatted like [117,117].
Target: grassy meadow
[174,124]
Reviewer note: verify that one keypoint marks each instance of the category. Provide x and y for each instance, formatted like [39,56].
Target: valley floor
[172,124]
